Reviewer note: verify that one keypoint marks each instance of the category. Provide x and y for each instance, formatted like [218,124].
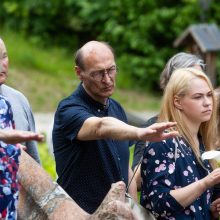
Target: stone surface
[41,198]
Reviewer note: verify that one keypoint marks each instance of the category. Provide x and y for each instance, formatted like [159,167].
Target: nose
[207,100]
[4,63]
[105,76]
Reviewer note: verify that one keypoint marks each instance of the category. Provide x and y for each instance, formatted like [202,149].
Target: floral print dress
[168,165]
[9,161]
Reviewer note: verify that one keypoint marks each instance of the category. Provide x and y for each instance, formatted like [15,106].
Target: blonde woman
[176,184]
[217,93]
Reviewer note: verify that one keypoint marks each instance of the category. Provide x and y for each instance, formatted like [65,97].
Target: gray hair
[179,60]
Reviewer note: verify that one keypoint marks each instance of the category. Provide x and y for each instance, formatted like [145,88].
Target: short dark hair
[79,59]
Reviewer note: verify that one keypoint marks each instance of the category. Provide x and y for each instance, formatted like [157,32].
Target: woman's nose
[207,100]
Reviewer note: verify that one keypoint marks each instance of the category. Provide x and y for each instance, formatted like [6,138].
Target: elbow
[100,131]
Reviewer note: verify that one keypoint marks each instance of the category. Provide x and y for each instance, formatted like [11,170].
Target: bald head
[91,51]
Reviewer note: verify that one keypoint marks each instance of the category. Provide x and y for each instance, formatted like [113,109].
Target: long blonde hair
[178,86]
[217,93]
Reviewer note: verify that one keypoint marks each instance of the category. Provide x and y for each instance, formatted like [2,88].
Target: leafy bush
[47,160]
[142,32]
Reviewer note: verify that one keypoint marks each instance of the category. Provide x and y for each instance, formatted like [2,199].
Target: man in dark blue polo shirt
[91,137]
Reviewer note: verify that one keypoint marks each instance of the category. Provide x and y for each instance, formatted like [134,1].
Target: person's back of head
[179,60]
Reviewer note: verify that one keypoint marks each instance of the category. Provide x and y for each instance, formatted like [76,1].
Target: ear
[79,73]
[177,103]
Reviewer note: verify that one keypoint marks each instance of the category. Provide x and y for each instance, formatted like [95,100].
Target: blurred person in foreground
[179,60]
[9,160]
[22,112]
[176,183]
[91,137]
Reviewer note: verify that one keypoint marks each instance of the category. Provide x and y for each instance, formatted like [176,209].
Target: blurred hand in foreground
[16,136]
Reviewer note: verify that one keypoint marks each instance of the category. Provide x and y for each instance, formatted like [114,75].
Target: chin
[206,119]
[108,94]
[2,80]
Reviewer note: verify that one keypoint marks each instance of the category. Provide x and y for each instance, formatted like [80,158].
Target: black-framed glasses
[98,75]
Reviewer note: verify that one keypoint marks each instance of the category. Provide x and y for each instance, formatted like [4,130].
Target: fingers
[21,136]
[171,134]
[216,202]
[215,208]
[163,125]
[22,147]
[36,137]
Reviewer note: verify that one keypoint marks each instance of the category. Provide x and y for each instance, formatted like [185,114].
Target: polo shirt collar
[82,92]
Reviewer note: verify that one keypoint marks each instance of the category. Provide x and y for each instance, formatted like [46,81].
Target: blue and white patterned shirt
[161,172]
[9,162]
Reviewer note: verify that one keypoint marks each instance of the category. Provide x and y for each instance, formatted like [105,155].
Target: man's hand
[158,132]
[16,136]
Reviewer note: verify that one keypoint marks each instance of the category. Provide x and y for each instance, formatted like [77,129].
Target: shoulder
[70,101]
[9,92]
[72,108]
[9,89]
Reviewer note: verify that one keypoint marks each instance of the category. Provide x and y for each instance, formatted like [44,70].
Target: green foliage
[44,76]
[142,32]
[47,76]
[47,160]
[131,149]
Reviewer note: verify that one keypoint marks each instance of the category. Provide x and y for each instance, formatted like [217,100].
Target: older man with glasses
[91,137]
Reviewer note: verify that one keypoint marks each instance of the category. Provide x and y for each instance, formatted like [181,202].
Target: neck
[96,98]
[193,127]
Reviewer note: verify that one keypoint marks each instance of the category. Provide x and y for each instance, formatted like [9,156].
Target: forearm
[133,186]
[111,128]
[116,129]
[107,127]
[188,194]
[137,178]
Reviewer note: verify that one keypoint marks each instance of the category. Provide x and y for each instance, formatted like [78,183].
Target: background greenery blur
[41,37]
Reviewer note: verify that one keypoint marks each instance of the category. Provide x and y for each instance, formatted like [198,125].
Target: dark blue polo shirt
[86,169]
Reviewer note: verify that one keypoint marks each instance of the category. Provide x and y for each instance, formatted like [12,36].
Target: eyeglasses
[99,74]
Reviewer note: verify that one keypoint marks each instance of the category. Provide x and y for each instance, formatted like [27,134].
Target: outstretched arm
[16,136]
[108,127]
